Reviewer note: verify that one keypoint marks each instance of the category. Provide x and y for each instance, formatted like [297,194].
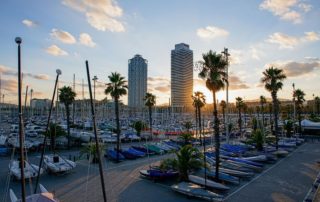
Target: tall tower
[181,76]
[137,81]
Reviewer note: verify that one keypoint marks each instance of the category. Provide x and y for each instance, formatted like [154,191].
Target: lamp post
[314,104]
[226,124]
[31,110]
[18,40]
[95,78]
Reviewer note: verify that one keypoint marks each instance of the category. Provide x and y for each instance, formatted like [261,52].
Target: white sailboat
[30,170]
[56,164]
[44,196]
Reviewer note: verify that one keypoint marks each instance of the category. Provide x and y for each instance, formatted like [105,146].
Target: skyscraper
[137,81]
[181,76]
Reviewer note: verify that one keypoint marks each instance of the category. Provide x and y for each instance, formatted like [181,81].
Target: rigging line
[9,176]
[88,172]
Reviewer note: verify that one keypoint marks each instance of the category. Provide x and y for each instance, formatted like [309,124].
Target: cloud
[283,40]
[159,84]
[10,72]
[255,53]
[211,32]
[235,83]
[163,89]
[86,40]
[29,23]
[56,51]
[101,14]
[289,42]
[37,76]
[296,69]
[311,36]
[289,10]
[10,85]
[7,70]
[236,57]
[63,36]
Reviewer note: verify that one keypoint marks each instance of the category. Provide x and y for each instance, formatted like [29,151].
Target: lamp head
[18,40]
[58,71]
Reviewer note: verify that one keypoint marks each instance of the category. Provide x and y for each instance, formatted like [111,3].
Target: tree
[186,138]
[272,80]
[213,70]
[263,101]
[139,126]
[188,125]
[67,96]
[258,139]
[150,101]
[116,87]
[317,103]
[288,126]
[54,131]
[239,106]
[188,159]
[199,101]
[91,150]
[223,106]
[299,95]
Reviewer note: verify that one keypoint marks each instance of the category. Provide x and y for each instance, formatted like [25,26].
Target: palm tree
[239,106]
[223,106]
[150,101]
[117,87]
[272,80]
[213,70]
[199,100]
[67,96]
[270,115]
[299,95]
[188,159]
[317,103]
[263,101]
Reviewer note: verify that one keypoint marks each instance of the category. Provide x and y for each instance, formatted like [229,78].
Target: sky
[64,33]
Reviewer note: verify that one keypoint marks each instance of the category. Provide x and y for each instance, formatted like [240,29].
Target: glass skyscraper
[137,81]
[181,76]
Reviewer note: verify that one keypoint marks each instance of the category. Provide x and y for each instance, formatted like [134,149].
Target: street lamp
[95,78]
[226,55]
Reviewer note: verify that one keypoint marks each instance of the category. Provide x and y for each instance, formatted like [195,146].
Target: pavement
[288,180]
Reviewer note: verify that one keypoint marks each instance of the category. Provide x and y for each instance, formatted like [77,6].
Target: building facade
[137,81]
[181,76]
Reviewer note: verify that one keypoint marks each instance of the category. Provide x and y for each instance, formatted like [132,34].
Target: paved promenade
[288,180]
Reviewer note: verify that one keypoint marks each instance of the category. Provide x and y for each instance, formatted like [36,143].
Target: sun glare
[208,93]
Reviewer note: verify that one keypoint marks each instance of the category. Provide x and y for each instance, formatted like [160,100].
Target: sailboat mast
[47,129]
[95,134]
[23,185]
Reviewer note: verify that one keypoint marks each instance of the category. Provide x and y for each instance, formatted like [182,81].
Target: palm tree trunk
[68,124]
[239,122]
[216,134]
[116,106]
[197,124]
[150,120]
[275,114]
[262,112]
[204,147]
[224,118]
[299,119]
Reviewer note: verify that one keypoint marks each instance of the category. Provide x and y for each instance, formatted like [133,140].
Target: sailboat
[44,196]
[54,163]
[30,170]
